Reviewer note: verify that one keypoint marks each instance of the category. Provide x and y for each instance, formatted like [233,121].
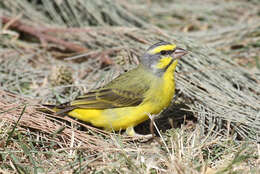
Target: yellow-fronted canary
[127,100]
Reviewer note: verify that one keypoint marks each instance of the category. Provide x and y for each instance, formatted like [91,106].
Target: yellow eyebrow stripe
[162,47]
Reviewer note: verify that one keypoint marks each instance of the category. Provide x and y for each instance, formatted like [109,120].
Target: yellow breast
[162,93]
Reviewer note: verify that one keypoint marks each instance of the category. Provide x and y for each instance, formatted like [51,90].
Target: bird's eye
[163,52]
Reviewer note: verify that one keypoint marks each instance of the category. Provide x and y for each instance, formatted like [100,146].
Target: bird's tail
[57,109]
[50,109]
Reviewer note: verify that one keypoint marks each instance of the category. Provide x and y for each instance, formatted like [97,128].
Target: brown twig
[38,33]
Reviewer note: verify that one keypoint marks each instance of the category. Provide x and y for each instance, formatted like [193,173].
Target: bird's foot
[143,138]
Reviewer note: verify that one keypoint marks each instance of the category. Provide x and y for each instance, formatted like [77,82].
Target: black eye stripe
[170,52]
[164,52]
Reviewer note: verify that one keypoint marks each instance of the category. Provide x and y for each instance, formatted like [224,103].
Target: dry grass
[215,115]
[39,143]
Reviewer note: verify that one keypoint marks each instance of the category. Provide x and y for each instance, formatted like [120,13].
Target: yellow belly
[117,118]
[113,119]
[156,99]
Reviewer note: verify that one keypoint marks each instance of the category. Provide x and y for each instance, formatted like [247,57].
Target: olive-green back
[126,90]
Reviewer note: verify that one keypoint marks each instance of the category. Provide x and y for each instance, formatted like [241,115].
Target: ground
[211,127]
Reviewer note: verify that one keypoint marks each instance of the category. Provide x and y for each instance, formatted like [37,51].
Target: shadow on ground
[173,117]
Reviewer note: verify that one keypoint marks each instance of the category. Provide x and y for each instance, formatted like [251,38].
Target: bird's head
[161,56]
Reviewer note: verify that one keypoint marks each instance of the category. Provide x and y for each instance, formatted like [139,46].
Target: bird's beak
[179,52]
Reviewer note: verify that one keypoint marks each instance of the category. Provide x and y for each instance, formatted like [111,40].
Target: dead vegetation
[215,115]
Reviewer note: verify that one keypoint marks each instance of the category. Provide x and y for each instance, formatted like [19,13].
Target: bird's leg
[131,132]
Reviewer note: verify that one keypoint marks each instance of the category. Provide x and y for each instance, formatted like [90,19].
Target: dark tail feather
[50,109]
[65,110]
[58,109]
[49,106]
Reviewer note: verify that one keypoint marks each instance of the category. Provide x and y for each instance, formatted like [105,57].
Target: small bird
[127,100]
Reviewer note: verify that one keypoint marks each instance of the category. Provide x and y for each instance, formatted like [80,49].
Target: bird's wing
[126,90]
[108,98]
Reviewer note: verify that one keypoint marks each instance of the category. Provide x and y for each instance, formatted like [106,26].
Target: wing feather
[126,90]
[108,98]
